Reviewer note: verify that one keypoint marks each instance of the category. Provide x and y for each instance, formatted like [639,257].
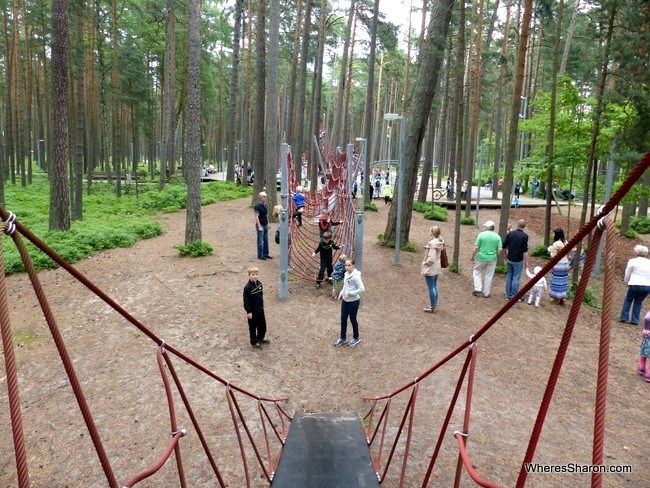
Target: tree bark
[234,80]
[168,124]
[193,127]
[260,78]
[370,90]
[272,150]
[430,62]
[59,195]
[337,132]
[299,148]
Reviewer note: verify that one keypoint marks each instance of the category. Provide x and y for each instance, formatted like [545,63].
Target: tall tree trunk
[337,132]
[272,149]
[370,89]
[407,71]
[499,135]
[347,116]
[59,194]
[77,208]
[430,62]
[317,92]
[116,126]
[193,127]
[377,140]
[551,127]
[569,38]
[290,119]
[299,147]
[29,141]
[258,133]
[168,125]
[234,75]
[511,148]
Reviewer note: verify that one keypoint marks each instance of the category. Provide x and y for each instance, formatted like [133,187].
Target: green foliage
[195,249]
[467,220]
[407,246]
[431,212]
[454,268]
[371,206]
[640,224]
[501,269]
[630,234]
[109,222]
[24,338]
[540,251]
[589,299]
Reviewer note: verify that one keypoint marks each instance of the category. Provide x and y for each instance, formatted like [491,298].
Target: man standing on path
[262,227]
[484,257]
[515,252]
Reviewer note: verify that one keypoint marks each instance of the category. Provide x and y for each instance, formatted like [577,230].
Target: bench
[103,175]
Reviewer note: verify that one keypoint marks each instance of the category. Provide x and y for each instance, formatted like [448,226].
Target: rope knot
[162,346]
[10,227]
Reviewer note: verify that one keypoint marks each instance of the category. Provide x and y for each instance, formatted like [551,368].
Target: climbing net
[390,440]
[260,440]
[333,194]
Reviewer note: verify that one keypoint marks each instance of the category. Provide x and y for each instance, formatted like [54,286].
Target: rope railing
[14,400]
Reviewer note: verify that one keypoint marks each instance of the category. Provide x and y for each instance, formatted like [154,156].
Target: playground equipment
[386,442]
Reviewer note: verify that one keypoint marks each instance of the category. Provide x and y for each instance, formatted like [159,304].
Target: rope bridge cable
[634,175]
[76,385]
[334,196]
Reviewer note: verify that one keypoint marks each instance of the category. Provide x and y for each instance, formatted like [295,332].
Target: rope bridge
[335,196]
[266,440]
[388,442]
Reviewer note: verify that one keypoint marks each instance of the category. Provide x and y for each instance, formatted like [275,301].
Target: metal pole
[400,191]
[283,288]
[478,196]
[609,181]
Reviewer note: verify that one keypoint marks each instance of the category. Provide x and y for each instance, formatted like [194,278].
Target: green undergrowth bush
[630,234]
[431,212]
[590,298]
[407,246]
[108,222]
[195,249]
[540,251]
[501,269]
[469,220]
[371,206]
[640,224]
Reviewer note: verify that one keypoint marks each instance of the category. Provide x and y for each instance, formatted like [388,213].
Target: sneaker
[257,346]
[340,342]
[266,342]
[641,371]
[268,257]
[262,258]
[476,293]
[521,299]
[335,299]
[354,342]
[486,296]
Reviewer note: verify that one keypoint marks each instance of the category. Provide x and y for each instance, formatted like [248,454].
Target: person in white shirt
[637,277]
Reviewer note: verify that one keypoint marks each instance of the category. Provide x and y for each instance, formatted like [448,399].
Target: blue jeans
[432,283]
[262,241]
[634,298]
[513,277]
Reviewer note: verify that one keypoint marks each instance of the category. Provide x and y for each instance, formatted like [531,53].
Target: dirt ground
[196,306]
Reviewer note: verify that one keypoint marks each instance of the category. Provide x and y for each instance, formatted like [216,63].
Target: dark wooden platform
[325,450]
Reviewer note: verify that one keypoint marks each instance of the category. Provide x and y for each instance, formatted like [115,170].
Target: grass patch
[431,212]
[469,220]
[407,246]
[108,222]
[24,339]
[195,249]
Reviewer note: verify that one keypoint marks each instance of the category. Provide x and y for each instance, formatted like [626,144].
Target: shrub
[371,206]
[640,224]
[589,299]
[467,220]
[501,269]
[454,269]
[195,249]
[630,234]
[540,251]
[407,246]
[431,212]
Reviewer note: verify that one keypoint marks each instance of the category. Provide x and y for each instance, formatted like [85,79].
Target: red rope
[559,358]
[161,462]
[603,355]
[13,391]
[468,464]
[65,357]
[172,415]
[468,410]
